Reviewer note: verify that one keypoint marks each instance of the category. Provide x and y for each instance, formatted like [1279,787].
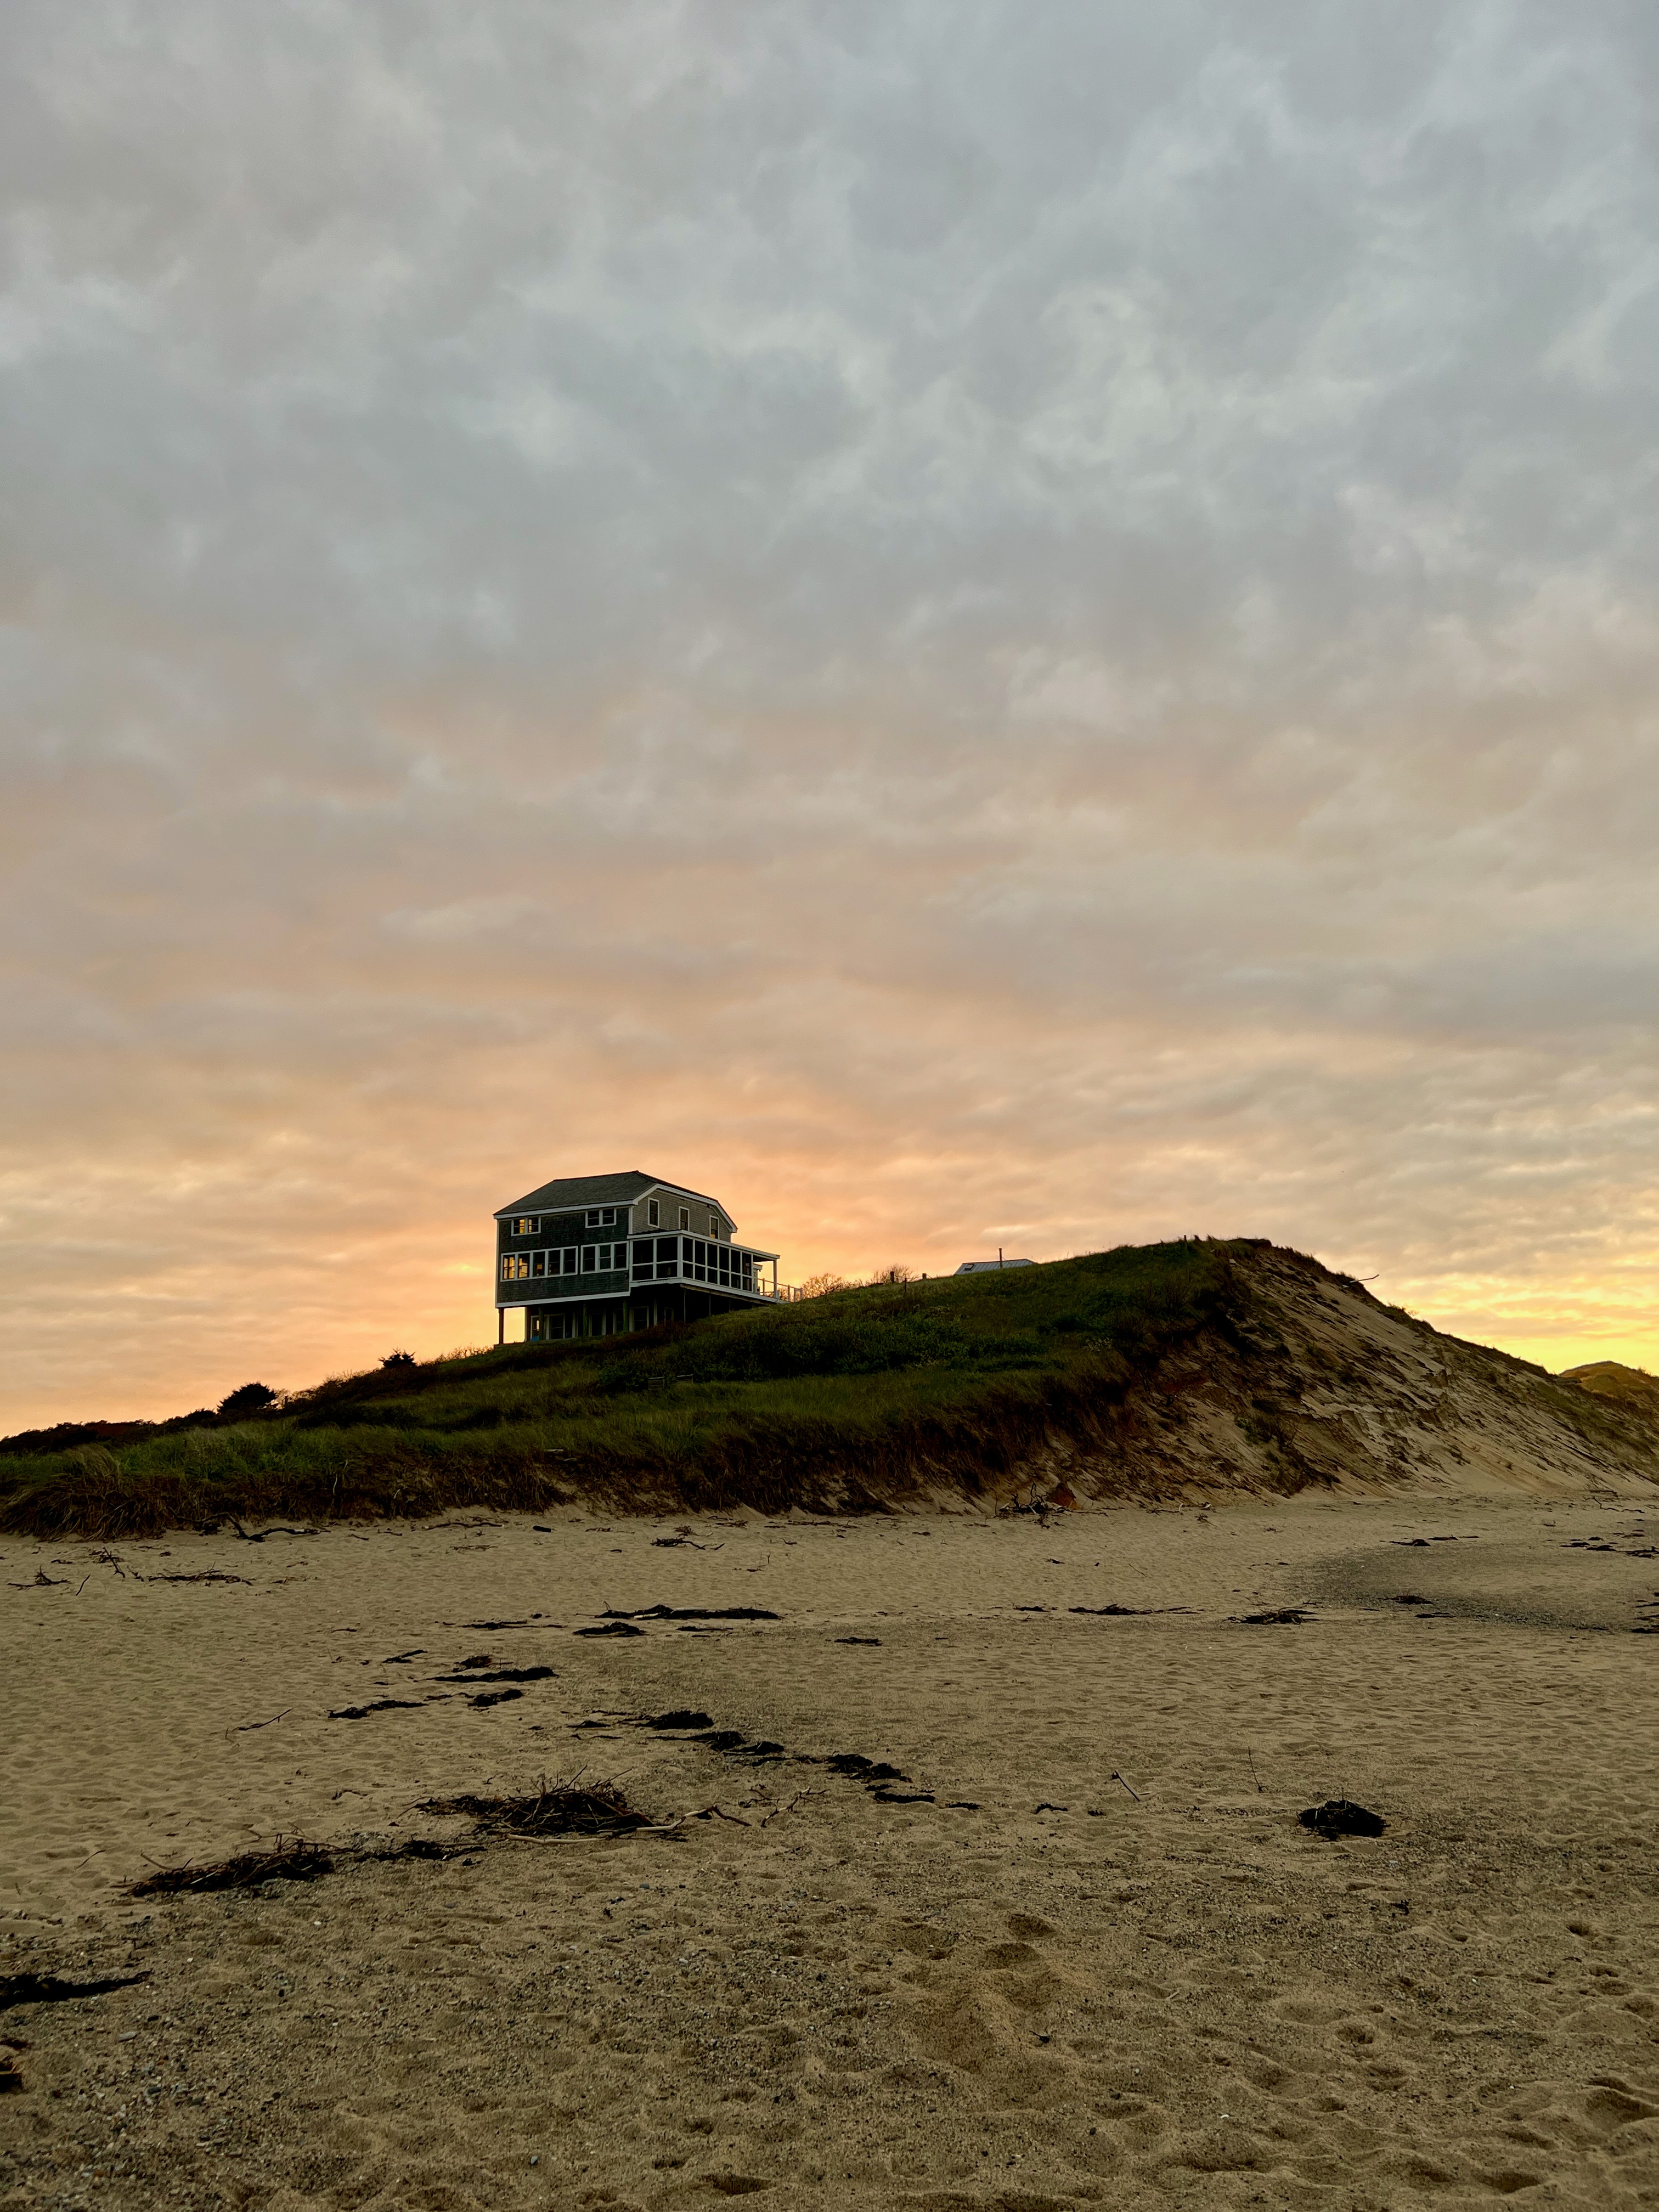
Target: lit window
[525,1227]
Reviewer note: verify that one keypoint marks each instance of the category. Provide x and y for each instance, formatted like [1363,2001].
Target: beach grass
[842,1402]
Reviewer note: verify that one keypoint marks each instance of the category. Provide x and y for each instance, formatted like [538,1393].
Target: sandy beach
[1078,1950]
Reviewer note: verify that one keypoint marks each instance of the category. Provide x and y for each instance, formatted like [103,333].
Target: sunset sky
[962,625]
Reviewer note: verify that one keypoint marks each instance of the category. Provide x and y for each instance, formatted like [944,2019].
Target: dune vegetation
[838,1402]
[1152,1371]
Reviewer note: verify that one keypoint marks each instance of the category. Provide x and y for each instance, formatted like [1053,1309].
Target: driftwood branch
[245,1727]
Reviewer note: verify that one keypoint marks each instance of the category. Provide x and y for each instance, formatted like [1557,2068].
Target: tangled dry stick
[554,1808]
[555,1812]
[294,1861]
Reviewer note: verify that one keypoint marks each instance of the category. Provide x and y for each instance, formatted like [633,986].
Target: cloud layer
[964,628]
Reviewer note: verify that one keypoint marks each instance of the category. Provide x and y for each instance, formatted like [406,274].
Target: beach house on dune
[598,1255]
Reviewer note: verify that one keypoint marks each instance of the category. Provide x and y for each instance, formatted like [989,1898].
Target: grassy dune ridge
[1149,1371]
[841,1403]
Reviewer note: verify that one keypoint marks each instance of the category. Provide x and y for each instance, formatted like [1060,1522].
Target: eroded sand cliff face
[1307,1380]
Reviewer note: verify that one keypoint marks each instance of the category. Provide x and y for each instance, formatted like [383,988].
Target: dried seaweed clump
[554,1809]
[286,1860]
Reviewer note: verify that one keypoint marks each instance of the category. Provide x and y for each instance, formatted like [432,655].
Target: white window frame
[652,1214]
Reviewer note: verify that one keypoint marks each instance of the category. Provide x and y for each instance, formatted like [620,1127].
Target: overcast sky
[964,625]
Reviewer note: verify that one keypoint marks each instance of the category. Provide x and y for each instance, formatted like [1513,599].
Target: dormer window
[652,1214]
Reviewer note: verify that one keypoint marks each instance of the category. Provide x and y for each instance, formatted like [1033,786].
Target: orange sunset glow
[791,600]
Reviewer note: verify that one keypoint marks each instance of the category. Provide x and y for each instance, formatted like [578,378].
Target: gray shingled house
[598,1255]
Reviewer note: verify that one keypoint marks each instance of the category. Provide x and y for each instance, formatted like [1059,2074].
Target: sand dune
[1172,1374]
[1034,1988]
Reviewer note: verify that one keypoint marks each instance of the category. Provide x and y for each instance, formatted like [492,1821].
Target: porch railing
[710,1265]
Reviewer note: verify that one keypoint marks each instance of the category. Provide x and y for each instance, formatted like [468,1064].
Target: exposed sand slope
[1312,1381]
[1066,1995]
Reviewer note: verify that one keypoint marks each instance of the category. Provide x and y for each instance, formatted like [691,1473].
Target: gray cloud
[954,625]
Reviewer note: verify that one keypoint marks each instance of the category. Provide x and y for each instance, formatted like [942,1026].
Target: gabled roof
[574,1192]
